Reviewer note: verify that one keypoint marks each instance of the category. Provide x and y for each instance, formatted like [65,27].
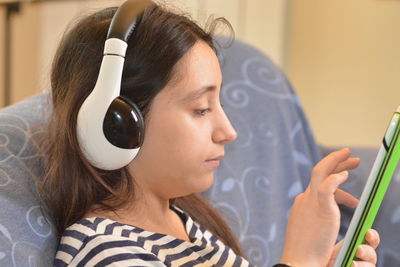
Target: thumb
[342,197]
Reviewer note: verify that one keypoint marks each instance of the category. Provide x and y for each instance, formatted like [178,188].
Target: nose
[223,132]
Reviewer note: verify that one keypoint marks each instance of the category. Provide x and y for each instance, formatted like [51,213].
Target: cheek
[173,154]
[181,138]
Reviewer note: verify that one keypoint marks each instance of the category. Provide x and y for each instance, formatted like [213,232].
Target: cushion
[26,239]
[271,161]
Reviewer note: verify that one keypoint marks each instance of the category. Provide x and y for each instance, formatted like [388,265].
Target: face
[186,129]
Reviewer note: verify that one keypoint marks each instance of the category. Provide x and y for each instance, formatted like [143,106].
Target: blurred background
[343,57]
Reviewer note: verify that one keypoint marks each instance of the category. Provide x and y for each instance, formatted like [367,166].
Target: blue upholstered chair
[263,171]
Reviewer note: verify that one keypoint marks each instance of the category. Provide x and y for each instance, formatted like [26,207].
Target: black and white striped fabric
[103,242]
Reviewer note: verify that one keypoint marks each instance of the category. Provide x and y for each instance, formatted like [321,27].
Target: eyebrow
[198,93]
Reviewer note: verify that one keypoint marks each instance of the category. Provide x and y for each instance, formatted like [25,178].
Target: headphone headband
[124,20]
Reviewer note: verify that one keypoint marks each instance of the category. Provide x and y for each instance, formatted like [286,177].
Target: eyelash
[202,112]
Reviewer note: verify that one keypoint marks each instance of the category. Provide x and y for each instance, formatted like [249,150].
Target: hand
[365,252]
[314,219]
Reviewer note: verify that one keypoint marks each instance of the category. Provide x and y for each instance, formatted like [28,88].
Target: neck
[149,212]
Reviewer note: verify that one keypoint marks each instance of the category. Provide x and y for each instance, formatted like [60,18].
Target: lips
[214,162]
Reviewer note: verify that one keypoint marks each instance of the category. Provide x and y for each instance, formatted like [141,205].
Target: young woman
[148,213]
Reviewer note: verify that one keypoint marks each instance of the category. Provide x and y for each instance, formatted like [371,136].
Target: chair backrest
[25,237]
[271,161]
[263,171]
[268,165]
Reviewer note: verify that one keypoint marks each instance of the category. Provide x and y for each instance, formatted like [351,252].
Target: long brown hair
[72,186]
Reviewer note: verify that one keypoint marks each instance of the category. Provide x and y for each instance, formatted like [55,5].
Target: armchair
[263,171]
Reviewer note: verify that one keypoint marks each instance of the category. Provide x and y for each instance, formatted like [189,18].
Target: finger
[342,197]
[336,249]
[333,181]
[327,165]
[330,185]
[372,238]
[348,164]
[362,264]
[366,253]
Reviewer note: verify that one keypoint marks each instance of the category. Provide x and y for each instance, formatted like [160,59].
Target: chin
[199,184]
[205,183]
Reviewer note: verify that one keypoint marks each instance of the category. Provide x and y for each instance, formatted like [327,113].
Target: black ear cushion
[123,124]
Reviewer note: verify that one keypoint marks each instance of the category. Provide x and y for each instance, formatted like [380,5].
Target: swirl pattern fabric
[270,162]
[263,171]
[26,239]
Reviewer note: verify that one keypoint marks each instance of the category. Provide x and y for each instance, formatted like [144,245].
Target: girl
[148,213]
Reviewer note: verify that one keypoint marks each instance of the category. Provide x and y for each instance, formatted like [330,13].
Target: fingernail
[368,234]
[344,173]
[353,264]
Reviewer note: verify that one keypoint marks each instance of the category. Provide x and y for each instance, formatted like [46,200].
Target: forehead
[197,69]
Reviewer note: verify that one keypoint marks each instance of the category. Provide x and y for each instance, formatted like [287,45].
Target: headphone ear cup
[123,124]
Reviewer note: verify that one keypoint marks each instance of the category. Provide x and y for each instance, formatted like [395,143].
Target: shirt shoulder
[102,242]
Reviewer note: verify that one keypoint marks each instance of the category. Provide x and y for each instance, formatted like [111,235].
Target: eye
[202,112]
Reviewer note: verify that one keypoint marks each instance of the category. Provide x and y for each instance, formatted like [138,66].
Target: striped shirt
[102,242]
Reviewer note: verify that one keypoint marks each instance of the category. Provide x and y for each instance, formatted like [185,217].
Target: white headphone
[110,128]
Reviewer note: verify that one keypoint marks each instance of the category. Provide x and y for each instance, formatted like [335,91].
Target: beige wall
[39,26]
[36,31]
[25,53]
[2,15]
[342,56]
[344,60]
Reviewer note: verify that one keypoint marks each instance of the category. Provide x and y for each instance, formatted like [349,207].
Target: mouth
[214,162]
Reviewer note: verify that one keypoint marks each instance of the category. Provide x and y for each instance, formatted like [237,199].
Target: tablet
[373,193]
